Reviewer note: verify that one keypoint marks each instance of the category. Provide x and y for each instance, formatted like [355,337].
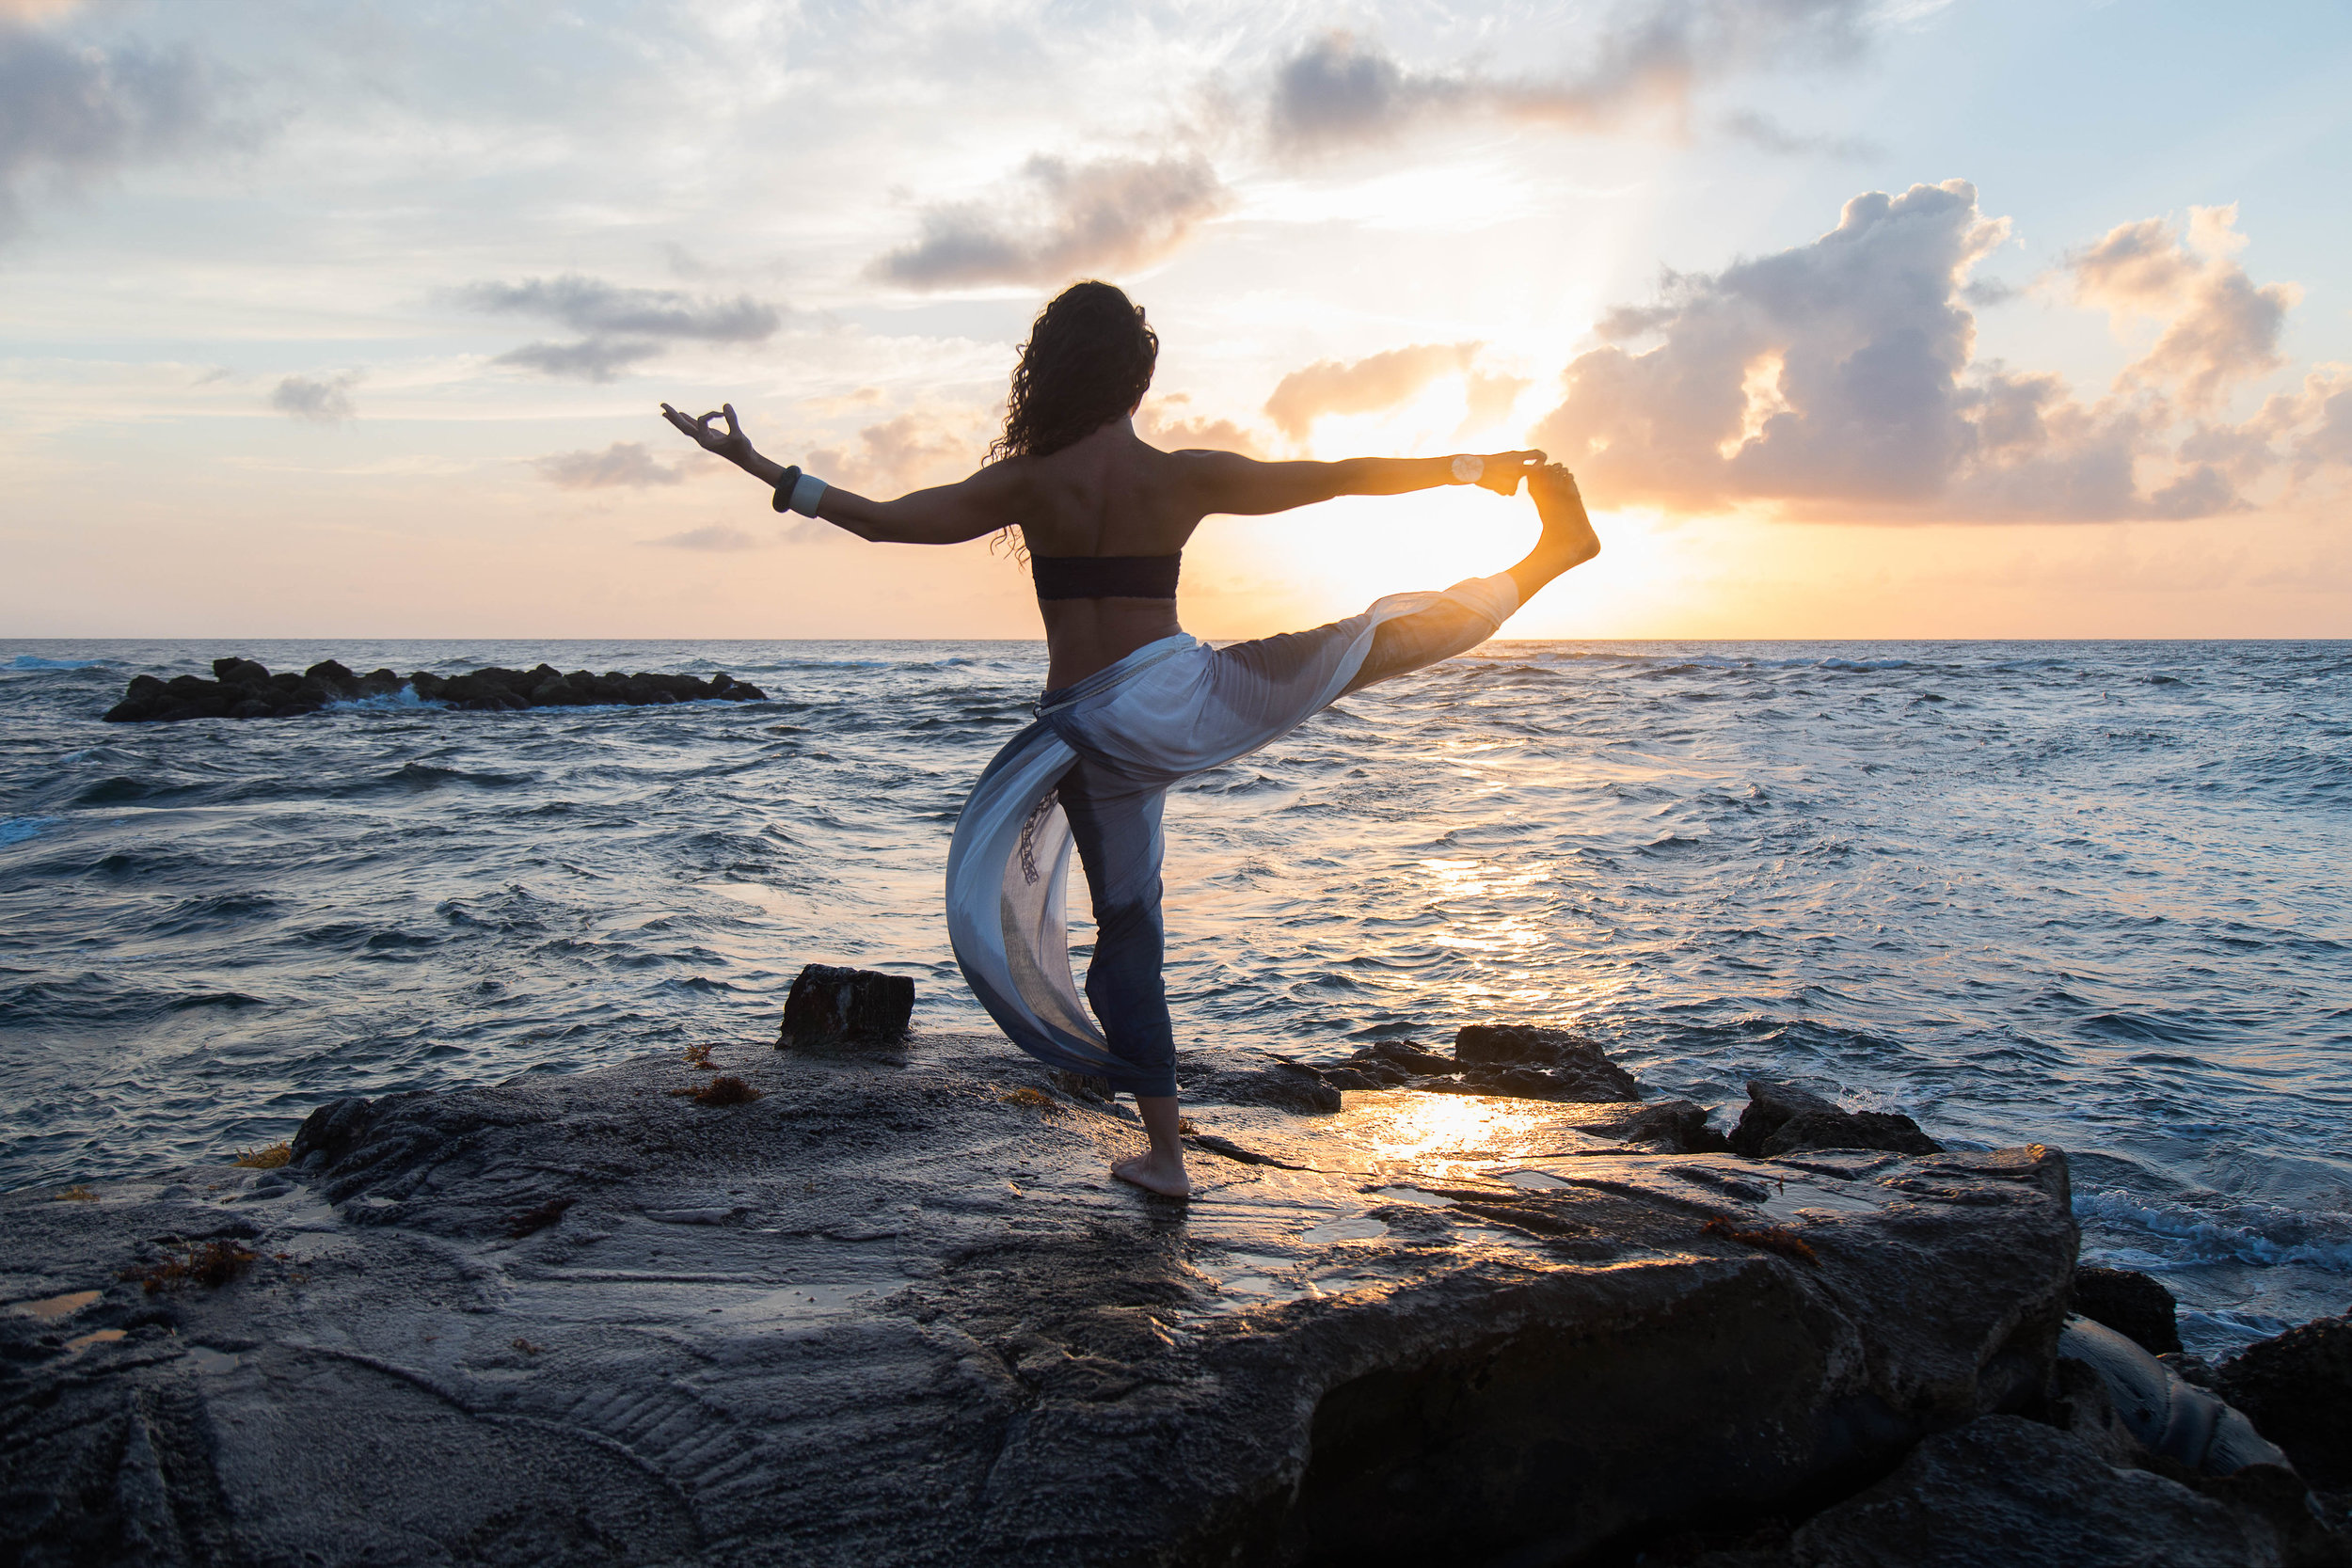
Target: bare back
[1110,493]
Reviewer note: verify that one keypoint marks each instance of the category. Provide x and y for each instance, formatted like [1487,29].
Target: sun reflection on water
[1447,1133]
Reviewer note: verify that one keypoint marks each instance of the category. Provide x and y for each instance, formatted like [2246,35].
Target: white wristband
[806,493]
[1468,470]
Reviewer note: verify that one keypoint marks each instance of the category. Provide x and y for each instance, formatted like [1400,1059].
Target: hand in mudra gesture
[730,443]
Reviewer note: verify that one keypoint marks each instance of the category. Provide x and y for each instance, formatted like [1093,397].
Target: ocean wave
[35,661]
[2257,1235]
[16,830]
[402,701]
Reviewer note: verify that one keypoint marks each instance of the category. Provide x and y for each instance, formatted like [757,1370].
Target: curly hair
[1088,361]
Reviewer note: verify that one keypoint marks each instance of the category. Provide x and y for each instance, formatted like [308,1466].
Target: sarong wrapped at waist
[1170,709]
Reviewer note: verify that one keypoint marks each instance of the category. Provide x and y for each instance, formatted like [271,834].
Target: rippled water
[2092,894]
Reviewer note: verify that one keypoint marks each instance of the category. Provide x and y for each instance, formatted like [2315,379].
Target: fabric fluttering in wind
[1171,709]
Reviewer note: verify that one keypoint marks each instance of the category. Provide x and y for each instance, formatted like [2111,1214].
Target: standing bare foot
[1162,1169]
[1154,1173]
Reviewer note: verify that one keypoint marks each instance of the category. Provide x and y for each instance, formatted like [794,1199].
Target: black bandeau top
[1105,576]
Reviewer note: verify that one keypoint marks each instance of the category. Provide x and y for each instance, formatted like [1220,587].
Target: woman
[1132,703]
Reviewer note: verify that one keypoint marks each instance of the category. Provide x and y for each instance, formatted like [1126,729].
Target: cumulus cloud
[1058,220]
[327,401]
[619,326]
[717,536]
[904,453]
[1159,422]
[1840,375]
[1339,91]
[71,116]
[628,464]
[1361,386]
[2220,327]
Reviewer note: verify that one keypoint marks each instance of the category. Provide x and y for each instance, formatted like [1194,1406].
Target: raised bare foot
[1568,539]
[1155,1173]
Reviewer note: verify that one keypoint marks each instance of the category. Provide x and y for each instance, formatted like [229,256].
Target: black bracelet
[783,488]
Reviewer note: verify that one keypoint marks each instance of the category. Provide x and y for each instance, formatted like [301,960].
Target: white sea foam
[2259,1235]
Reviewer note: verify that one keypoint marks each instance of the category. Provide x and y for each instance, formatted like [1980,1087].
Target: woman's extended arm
[1228,482]
[943,514]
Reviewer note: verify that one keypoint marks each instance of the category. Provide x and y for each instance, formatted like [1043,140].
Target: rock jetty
[243,688]
[885,1304]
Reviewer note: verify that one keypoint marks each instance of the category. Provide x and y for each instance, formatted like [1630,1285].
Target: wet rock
[2013,1492]
[2132,1305]
[1781,1118]
[757,1332]
[1885,1130]
[1284,1085]
[2296,1387]
[1573,1067]
[1771,1105]
[1678,1126]
[245,688]
[830,1005]
[1511,1061]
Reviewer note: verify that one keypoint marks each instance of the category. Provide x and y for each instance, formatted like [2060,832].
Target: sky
[1905,319]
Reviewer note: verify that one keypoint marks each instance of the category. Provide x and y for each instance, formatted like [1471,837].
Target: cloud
[2220,327]
[327,401]
[77,114]
[620,326]
[622,463]
[1340,91]
[904,452]
[1157,423]
[1839,376]
[1763,132]
[1361,386]
[1060,220]
[717,536]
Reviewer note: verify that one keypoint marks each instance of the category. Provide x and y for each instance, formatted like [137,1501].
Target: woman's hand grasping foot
[1501,471]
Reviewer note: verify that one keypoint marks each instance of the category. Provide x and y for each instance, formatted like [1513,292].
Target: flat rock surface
[897,1311]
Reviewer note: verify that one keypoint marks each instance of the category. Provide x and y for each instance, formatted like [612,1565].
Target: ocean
[2085,893]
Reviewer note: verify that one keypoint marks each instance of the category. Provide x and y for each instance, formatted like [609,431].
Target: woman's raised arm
[1228,482]
[943,514]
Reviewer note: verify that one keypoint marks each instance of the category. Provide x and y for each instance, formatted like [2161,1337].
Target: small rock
[1574,1068]
[830,1004]
[1286,1086]
[2131,1303]
[2296,1387]
[1770,1106]
[1680,1125]
[1885,1130]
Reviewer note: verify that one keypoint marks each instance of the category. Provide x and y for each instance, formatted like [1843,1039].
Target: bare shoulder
[1204,472]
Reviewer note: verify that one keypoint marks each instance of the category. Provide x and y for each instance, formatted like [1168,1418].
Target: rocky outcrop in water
[242,688]
[890,1309]
[589,1318]
[1781,1118]
[1517,1061]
